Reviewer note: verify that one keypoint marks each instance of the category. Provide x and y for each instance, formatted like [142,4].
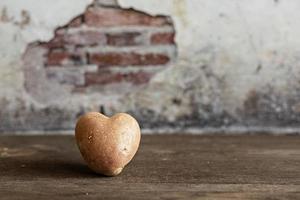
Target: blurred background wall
[176,65]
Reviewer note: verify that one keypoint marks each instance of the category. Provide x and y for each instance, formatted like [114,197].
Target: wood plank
[166,167]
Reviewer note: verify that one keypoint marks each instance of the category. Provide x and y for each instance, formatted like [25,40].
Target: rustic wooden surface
[166,167]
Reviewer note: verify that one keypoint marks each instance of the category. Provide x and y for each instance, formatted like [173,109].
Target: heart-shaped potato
[107,144]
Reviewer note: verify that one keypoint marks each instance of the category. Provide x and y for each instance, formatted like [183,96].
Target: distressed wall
[235,65]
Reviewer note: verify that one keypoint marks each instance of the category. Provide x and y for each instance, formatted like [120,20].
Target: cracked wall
[236,66]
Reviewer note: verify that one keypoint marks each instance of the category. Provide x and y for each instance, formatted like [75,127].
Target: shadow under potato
[31,167]
[38,165]
[34,157]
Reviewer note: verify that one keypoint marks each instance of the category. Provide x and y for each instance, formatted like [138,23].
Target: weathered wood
[166,167]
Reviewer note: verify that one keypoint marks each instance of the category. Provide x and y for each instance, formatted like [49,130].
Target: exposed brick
[107,17]
[65,58]
[85,38]
[162,38]
[123,39]
[108,77]
[56,42]
[56,58]
[76,22]
[106,59]
[66,75]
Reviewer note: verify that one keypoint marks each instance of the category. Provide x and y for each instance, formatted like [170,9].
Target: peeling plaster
[23,22]
[238,65]
[247,45]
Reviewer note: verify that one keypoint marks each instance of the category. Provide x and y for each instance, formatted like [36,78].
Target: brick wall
[109,45]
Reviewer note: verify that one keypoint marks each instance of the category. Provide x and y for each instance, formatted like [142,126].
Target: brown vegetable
[107,144]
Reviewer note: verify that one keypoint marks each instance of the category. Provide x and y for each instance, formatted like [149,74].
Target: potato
[107,144]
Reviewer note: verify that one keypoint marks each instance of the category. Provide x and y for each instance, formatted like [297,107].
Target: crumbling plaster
[23,22]
[238,61]
[249,44]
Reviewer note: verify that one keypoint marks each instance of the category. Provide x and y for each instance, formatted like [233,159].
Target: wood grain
[165,167]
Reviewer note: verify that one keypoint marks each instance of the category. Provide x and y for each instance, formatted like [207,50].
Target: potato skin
[107,144]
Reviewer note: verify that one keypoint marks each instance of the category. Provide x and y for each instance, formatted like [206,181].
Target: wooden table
[166,167]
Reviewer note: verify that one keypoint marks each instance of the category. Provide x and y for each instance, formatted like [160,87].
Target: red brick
[85,38]
[76,22]
[107,17]
[56,42]
[56,58]
[123,39]
[162,38]
[65,75]
[107,59]
[64,58]
[108,77]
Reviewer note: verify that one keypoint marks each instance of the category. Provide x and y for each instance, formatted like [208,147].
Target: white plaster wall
[246,46]
[249,43]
